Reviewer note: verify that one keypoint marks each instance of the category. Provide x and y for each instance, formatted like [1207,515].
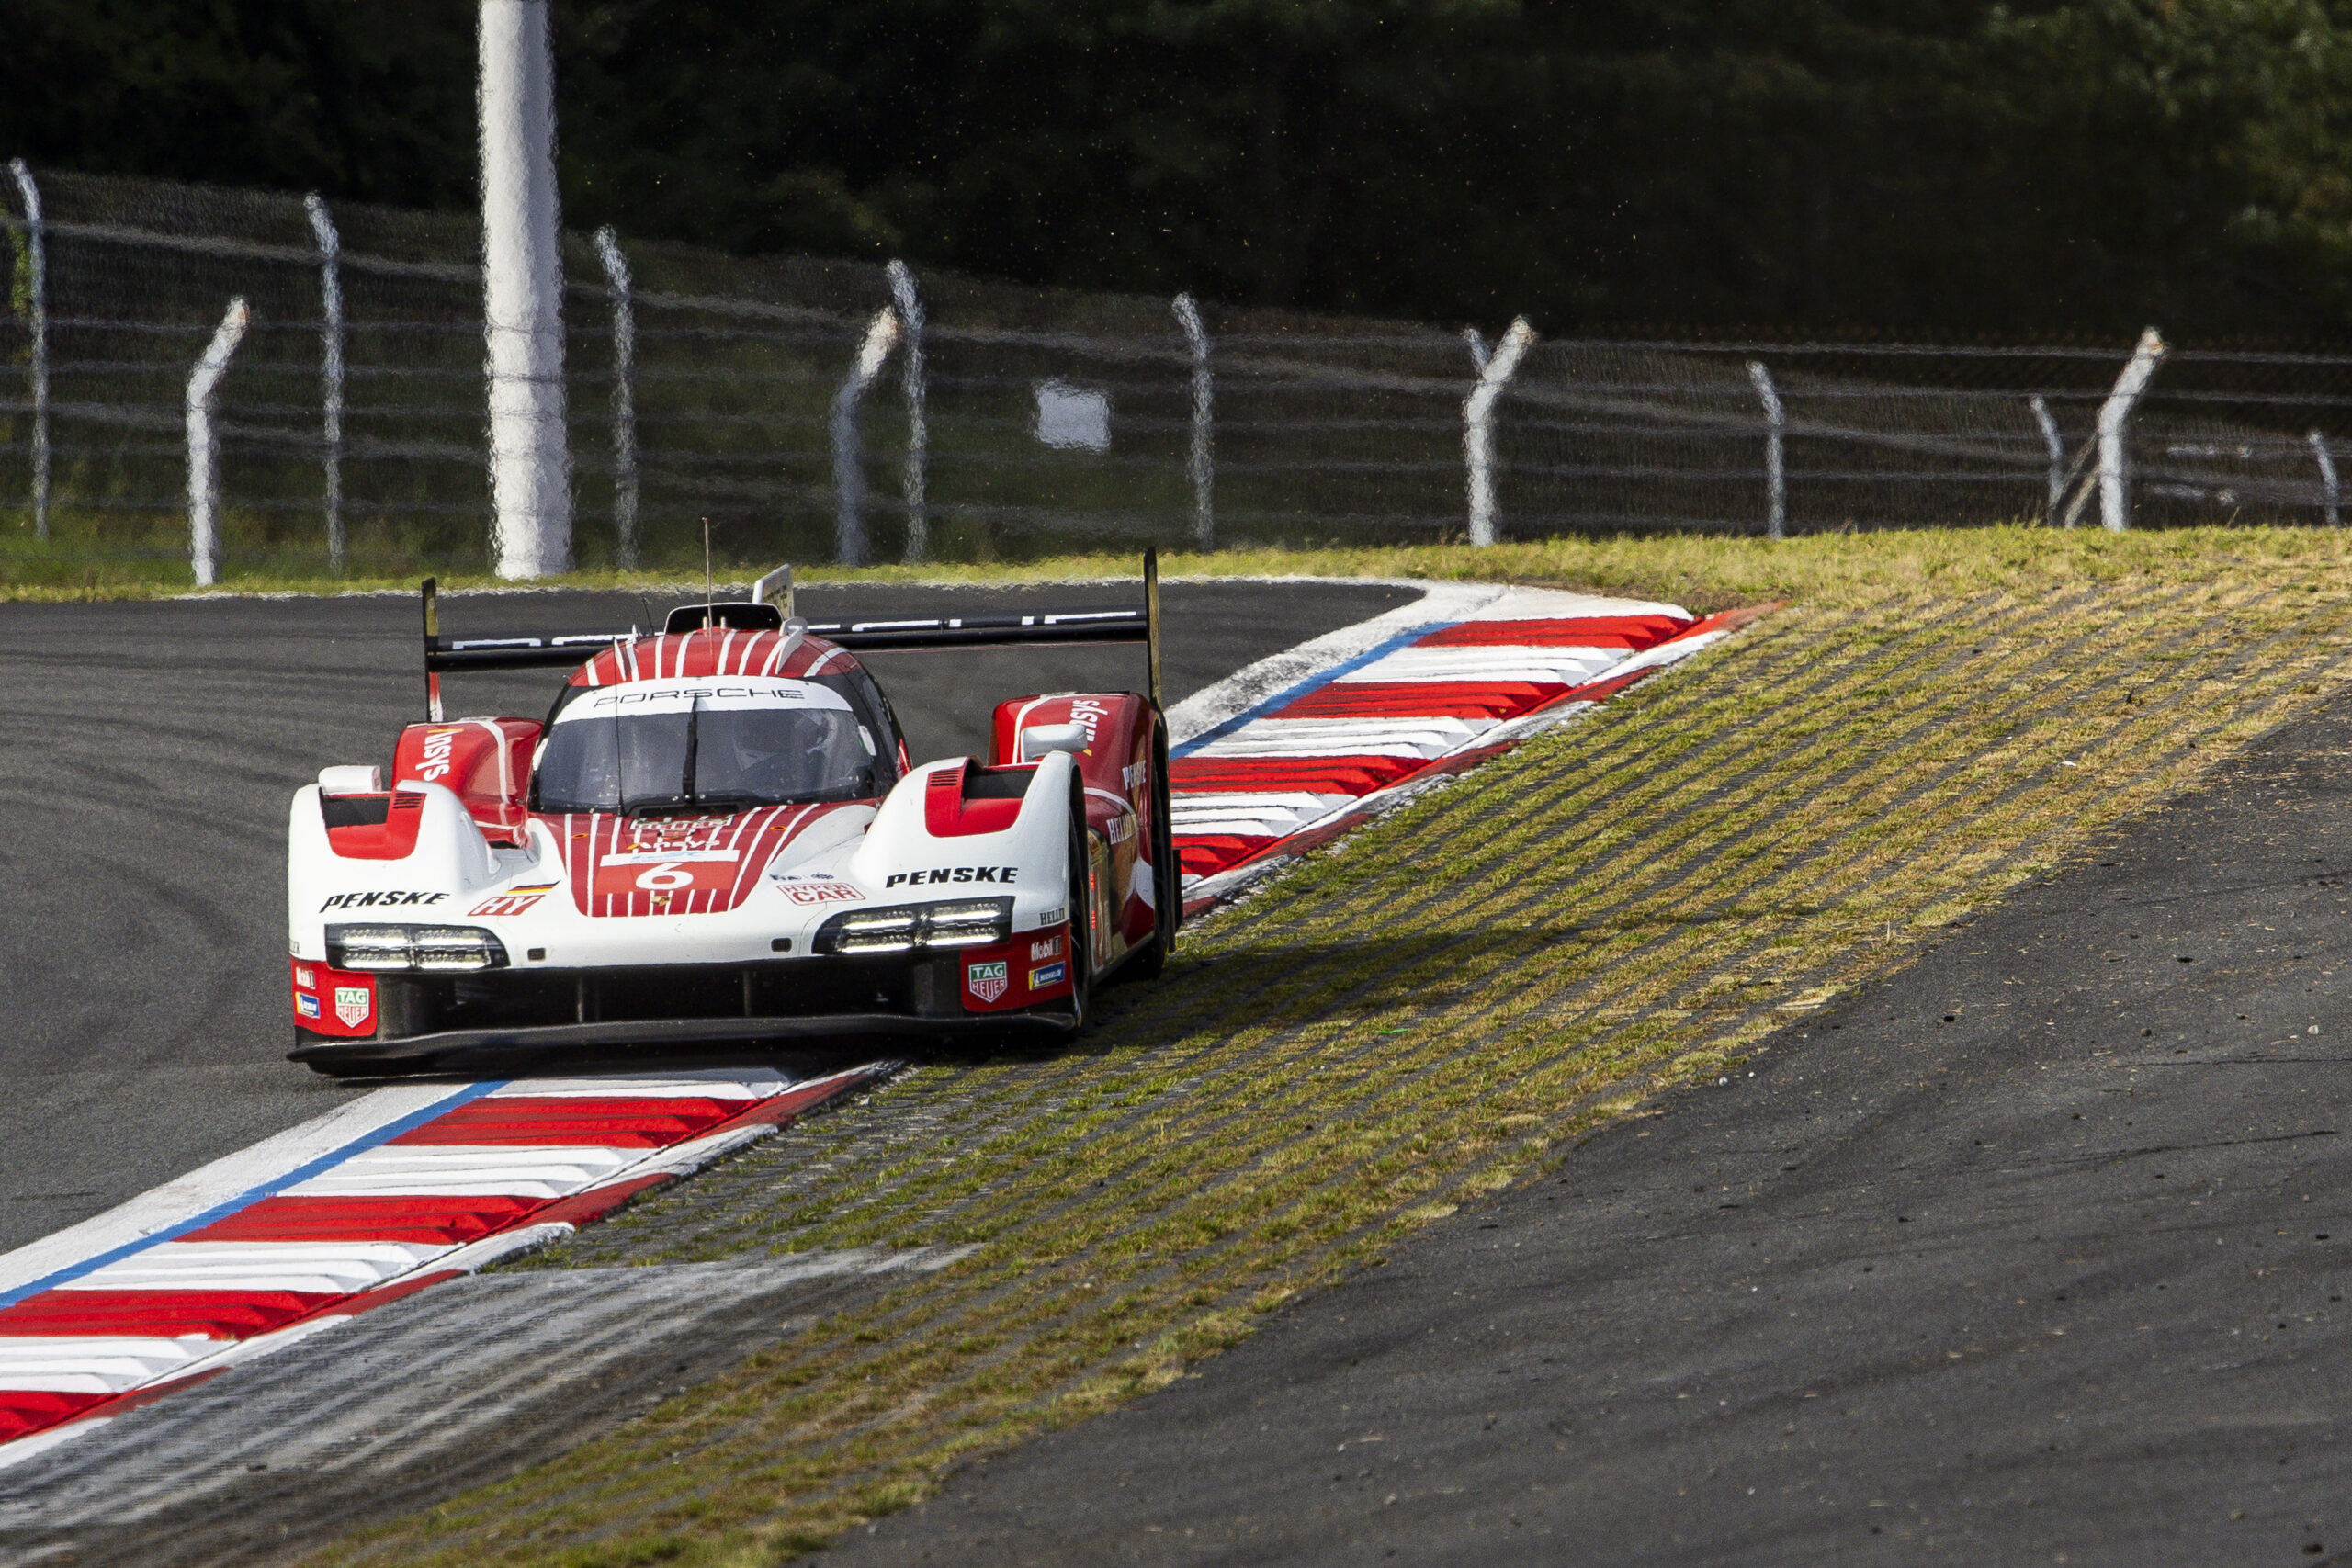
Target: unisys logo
[439,745]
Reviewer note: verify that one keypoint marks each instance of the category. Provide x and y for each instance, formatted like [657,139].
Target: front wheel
[1081,911]
[1167,872]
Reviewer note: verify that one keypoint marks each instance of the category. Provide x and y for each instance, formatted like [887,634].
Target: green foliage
[1947,164]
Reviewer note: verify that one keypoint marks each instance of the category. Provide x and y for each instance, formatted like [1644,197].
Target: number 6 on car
[717,835]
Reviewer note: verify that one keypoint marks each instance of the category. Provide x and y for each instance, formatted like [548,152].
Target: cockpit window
[717,742]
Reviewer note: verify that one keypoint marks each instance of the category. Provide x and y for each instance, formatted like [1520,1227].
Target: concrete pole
[1776,476]
[1199,461]
[329,371]
[204,447]
[608,252]
[911,380]
[530,469]
[2326,477]
[2056,448]
[37,252]
[2114,419]
[1479,425]
[849,463]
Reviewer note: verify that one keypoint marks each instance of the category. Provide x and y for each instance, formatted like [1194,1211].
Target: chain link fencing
[818,409]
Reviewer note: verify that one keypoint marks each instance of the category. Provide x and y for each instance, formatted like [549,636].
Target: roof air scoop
[739,615]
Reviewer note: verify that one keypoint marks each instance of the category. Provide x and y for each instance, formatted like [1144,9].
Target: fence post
[530,478]
[911,381]
[329,371]
[849,470]
[608,252]
[204,447]
[1776,478]
[1478,426]
[2114,419]
[2326,476]
[1198,462]
[2056,446]
[37,252]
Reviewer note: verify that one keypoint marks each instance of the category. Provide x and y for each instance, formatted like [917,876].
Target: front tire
[1167,874]
[1081,911]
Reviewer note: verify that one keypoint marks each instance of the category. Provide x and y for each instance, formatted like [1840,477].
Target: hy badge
[514,901]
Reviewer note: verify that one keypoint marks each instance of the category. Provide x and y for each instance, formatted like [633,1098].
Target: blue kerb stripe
[324,1163]
[1312,684]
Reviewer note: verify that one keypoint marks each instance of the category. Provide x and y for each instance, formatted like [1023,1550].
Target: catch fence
[816,409]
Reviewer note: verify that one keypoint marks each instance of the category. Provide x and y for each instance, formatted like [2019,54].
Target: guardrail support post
[2326,476]
[2055,446]
[530,478]
[204,447]
[912,382]
[849,467]
[1776,479]
[1197,462]
[1479,425]
[330,373]
[2114,421]
[37,255]
[608,252]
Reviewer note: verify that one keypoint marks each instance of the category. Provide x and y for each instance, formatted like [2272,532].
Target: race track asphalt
[149,749]
[2036,1252]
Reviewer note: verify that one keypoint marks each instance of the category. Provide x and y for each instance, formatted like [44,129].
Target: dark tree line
[1904,165]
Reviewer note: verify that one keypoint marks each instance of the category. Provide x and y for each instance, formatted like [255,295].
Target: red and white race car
[717,835]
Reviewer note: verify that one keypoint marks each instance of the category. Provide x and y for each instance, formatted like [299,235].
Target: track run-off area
[1430,1012]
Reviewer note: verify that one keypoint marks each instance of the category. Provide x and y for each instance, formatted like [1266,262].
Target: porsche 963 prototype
[717,835]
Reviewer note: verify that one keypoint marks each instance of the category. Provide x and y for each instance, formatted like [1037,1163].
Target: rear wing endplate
[1134,624]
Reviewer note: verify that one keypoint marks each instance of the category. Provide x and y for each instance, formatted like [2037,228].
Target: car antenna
[709,590]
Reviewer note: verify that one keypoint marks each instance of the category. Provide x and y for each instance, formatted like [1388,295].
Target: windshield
[705,743]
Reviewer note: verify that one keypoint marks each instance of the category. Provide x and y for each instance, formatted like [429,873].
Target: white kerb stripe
[466,1169]
[337,1268]
[1567,666]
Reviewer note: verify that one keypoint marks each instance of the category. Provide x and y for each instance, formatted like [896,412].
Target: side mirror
[351,779]
[1040,738]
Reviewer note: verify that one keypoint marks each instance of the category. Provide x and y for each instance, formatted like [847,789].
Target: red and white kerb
[481,1172]
[1312,760]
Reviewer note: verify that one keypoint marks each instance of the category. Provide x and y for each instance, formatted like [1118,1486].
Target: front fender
[451,859]
[902,858]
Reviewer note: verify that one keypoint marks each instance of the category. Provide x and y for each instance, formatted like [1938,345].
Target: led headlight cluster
[434,950]
[967,923]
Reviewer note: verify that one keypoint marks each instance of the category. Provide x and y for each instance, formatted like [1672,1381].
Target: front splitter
[330,1055]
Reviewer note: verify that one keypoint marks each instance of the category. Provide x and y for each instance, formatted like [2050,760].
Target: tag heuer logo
[351,1005]
[987,981]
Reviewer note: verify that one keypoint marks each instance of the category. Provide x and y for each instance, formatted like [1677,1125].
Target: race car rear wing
[1134,624]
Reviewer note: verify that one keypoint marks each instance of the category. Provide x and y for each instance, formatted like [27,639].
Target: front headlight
[901,927]
[434,950]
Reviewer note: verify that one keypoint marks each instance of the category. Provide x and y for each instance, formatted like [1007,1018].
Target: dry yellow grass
[1438,1006]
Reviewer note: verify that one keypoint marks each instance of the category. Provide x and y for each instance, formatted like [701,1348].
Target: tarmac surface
[147,754]
[2036,1252]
